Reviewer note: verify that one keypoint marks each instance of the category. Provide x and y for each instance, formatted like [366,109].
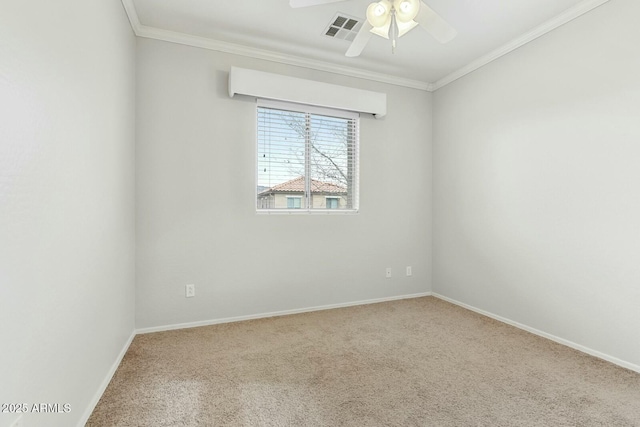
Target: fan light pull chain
[393,30]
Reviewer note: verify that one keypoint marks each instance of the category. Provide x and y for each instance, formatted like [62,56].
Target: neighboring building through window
[289,195]
[307,158]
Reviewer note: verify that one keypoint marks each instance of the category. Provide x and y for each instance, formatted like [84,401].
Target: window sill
[307,211]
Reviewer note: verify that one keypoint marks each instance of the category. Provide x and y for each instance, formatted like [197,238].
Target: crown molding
[267,55]
[132,14]
[236,49]
[565,17]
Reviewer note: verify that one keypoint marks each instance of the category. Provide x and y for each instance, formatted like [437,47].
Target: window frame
[322,111]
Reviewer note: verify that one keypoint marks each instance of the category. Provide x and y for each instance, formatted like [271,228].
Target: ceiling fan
[392,19]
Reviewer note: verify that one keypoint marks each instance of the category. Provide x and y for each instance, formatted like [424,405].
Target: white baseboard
[534,331]
[276,313]
[105,382]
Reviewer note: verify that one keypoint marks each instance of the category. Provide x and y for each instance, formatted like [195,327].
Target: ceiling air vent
[343,27]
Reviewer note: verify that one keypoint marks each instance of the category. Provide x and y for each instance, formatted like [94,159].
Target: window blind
[308,153]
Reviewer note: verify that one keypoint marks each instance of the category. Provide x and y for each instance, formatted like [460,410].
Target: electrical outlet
[409,272]
[189,291]
[388,272]
[18,422]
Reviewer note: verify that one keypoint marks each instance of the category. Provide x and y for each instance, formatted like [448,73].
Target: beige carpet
[420,362]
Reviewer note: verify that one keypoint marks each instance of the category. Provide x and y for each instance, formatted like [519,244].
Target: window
[333,202]
[307,158]
[294,202]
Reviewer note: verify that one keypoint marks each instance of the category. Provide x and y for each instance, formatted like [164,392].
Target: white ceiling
[485,28]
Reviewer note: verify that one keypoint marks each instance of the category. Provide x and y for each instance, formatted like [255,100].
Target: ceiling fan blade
[306,3]
[434,24]
[361,40]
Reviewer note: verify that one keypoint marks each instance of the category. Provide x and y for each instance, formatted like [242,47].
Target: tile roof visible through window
[297,186]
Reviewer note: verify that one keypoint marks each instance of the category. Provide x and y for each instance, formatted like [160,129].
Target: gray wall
[195,184]
[66,201]
[537,184]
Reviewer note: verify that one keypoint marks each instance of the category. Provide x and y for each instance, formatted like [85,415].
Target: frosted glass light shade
[406,10]
[378,13]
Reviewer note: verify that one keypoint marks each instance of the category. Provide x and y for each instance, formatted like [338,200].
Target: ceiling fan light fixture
[390,19]
[378,14]
[406,10]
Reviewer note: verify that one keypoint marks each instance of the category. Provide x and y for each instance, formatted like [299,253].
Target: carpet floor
[417,362]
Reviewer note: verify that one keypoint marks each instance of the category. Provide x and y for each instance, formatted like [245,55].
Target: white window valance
[265,85]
